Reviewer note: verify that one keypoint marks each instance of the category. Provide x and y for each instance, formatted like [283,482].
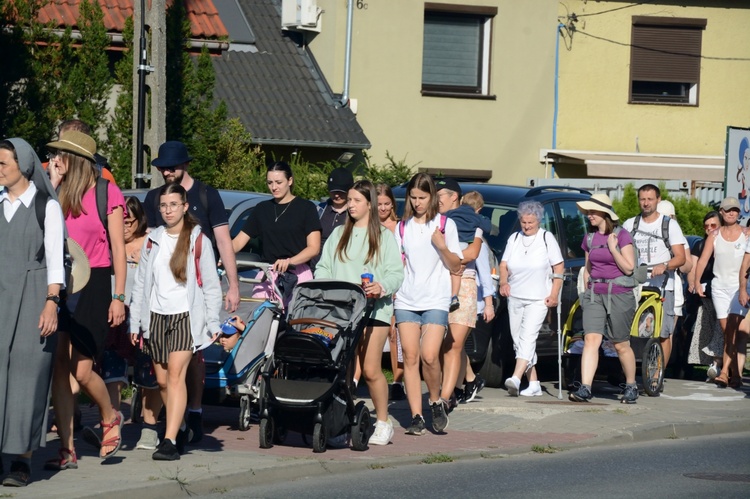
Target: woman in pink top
[86,316]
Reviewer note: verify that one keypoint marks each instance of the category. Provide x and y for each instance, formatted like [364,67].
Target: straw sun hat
[75,142]
[78,275]
[598,202]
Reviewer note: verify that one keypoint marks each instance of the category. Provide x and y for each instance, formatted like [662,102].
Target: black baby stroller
[307,382]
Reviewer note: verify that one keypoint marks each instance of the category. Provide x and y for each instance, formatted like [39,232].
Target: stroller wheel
[652,367]
[319,438]
[361,428]
[244,423]
[265,433]
[136,404]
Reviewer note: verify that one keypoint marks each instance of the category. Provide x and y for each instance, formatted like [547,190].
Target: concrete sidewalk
[493,425]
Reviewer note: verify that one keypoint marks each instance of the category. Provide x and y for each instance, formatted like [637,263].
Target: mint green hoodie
[387,270]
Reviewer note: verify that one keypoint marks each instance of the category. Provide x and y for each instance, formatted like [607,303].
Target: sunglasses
[710,226]
[166,169]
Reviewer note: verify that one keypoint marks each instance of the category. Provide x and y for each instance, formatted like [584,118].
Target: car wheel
[494,368]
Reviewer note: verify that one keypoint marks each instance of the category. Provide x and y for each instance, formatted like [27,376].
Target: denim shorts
[423,317]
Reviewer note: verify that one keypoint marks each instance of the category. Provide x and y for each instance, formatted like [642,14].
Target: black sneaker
[471,388]
[455,304]
[397,391]
[452,403]
[439,416]
[166,452]
[460,395]
[195,423]
[417,426]
[583,394]
[629,394]
[19,475]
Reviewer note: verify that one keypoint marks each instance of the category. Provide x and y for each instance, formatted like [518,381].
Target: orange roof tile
[204,18]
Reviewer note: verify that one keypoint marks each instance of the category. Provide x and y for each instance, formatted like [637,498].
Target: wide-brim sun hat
[665,208]
[598,202]
[172,153]
[77,143]
[81,269]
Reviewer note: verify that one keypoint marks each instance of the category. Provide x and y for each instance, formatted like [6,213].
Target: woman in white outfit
[727,245]
[530,277]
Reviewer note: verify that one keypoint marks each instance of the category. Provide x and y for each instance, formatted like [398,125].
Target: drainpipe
[348,52]
[557,72]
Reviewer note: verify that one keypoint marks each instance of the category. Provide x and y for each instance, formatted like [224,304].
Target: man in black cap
[205,205]
[332,212]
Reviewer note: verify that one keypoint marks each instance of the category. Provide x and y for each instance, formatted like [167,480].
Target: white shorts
[724,300]
[734,306]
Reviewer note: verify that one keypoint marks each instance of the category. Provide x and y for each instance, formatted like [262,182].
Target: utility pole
[149,84]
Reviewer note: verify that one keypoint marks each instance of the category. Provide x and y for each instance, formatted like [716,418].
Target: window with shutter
[456,50]
[665,60]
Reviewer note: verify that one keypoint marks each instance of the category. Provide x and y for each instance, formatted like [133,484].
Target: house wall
[503,134]
[594,113]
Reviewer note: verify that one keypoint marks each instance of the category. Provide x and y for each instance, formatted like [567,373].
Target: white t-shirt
[530,262]
[427,282]
[652,249]
[168,296]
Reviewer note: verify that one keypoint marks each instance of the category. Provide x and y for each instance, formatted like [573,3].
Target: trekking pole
[559,346]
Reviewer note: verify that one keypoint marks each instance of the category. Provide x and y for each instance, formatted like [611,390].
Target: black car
[489,346]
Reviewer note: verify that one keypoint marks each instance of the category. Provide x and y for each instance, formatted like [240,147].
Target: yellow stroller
[644,340]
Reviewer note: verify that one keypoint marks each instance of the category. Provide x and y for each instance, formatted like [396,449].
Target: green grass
[541,449]
[388,375]
[437,458]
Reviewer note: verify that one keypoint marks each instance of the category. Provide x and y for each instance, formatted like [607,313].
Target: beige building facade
[647,91]
[465,88]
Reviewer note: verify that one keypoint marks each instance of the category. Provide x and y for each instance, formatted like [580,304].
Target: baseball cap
[448,183]
[340,179]
[730,203]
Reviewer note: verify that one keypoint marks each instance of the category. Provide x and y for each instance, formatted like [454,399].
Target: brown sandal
[63,463]
[722,380]
[116,441]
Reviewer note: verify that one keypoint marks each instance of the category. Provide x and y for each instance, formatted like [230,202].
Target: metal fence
[705,192]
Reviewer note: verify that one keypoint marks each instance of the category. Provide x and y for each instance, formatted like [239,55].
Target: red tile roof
[204,18]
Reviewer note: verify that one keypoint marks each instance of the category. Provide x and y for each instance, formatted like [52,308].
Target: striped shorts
[169,333]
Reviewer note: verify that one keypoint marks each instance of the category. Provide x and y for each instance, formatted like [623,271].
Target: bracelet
[120,297]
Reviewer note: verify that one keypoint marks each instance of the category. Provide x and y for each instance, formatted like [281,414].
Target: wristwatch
[119,297]
[54,298]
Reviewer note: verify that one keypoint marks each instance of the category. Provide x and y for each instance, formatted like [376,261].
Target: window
[456,51]
[576,226]
[665,60]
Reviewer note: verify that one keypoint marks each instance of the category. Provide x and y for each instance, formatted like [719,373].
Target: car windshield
[504,220]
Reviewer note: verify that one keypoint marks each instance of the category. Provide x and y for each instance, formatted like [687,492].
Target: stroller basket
[301,348]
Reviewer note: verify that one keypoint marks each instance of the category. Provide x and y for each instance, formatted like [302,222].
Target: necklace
[527,246]
[277,216]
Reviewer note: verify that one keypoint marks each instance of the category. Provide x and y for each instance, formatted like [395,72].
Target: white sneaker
[383,433]
[534,390]
[712,372]
[512,385]
[149,440]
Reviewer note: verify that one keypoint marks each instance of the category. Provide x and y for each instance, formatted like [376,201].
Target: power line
[613,10]
[623,44]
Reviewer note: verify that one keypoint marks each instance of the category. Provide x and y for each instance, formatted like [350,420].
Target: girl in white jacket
[176,301]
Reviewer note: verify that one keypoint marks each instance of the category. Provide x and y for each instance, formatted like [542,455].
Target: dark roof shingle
[277,92]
